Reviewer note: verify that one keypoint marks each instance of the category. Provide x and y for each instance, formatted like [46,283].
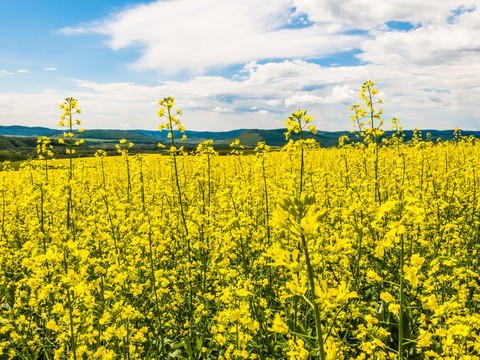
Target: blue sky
[239,64]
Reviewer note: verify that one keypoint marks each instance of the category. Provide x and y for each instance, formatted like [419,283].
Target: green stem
[177,182]
[182,213]
[359,254]
[129,183]
[400,321]
[142,188]
[209,183]
[316,309]
[375,137]
[266,199]
[302,161]
[152,266]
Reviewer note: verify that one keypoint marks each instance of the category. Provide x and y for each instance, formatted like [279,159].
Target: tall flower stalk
[297,214]
[173,122]
[70,107]
[122,149]
[296,123]
[371,130]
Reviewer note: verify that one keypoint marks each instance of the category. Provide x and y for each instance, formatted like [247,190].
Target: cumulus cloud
[126,126]
[201,35]
[222,109]
[362,14]
[273,102]
[428,72]
[450,41]
[305,99]
[18,108]
[198,35]
[268,93]
[340,94]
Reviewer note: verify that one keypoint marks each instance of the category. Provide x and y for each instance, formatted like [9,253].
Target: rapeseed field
[366,251]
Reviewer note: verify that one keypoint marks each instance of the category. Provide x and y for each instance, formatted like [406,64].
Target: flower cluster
[295,253]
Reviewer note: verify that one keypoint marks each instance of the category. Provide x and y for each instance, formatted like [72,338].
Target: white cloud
[305,99]
[4,72]
[22,71]
[50,69]
[198,35]
[428,76]
[126,126]
[18,108]
[436,97]
[81,30]
[273,102]
[340,94]
[363,14]
[223,109]
[443,42]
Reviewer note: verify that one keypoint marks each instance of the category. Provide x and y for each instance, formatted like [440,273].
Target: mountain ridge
[247,137]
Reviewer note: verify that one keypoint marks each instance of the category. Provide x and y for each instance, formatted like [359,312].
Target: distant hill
[138,136]
[12,143]
[276,137]
[18,138]
[327,139]
[197,135]
[27,131]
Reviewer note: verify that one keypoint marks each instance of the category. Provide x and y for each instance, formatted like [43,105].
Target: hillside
[19,142]
[327,139]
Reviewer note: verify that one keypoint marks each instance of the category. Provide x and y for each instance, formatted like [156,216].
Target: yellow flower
[332,350]
[387,297]
[58,309]
[431,303]
[373,276]
[394,308]
[52,325]
[298,287]
[425,339]
[411,275]
[278,325]
[370,319]
[297,350]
